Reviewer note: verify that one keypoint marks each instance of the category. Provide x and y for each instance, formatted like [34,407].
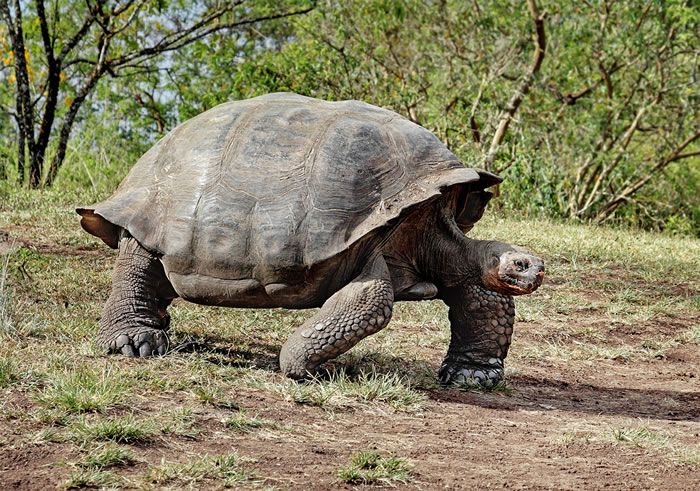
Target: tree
[610,124]
[61,50]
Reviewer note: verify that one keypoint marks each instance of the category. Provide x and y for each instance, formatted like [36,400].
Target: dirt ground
[565,420]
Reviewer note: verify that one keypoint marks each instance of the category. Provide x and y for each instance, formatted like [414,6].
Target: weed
[370,467]
[691,336]
[645,437]
[686,455]
[638,436]
[570,437]
[180,422]
[213,396]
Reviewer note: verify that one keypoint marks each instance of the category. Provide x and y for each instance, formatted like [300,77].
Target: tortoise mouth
[518,285]
[517,273]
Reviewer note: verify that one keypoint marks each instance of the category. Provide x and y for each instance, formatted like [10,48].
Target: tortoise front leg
[134,319]
[482,324]
[361,308]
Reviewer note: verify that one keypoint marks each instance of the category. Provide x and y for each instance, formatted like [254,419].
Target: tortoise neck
[449,258]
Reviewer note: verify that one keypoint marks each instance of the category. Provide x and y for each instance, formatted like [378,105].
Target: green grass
[639,436]
[644,437]
[580,249]
[6,321]
[179,422]
[371,468]
[85,389]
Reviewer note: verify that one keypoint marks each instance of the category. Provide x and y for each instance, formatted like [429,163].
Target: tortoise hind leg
[361,308]
[134,319]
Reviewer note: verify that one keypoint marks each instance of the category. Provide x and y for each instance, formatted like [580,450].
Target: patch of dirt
[31,467]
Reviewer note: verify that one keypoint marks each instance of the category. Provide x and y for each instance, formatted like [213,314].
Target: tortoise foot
[463,373]
[136,342]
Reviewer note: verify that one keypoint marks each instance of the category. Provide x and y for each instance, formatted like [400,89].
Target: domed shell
[275,183]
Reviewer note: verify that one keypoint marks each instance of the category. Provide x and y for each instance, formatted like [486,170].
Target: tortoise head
[511,270]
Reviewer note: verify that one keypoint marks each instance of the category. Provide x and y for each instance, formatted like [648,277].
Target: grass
[644,437]
[372,468]
[6,322]
[8,372]
[659,443]
[595,346]
[117,429]
[108,456]
[91,478]
[341,391]
[85,389]
[639,436]
[244,423]
[226,468]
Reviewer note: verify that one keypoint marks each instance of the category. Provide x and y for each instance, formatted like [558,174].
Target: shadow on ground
[225,352]
[546,394]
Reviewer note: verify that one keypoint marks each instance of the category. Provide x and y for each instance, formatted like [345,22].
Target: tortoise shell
[260,187]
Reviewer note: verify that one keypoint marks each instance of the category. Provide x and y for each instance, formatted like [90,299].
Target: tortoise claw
[138,343]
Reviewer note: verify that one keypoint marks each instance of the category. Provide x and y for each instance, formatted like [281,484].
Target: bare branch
[624,195]
[198,31]
[524,87]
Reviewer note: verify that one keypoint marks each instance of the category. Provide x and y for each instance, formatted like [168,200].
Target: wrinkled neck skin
[430,247]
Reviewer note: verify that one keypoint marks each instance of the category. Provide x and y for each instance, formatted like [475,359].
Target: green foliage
[452,66]
[8,372]
[611,107]
[341,390]
[91,478]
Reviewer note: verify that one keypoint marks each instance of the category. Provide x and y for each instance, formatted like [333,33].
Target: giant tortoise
[288,201]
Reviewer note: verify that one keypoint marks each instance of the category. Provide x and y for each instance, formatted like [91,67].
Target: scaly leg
[482,325]
[134,319]
[359,309]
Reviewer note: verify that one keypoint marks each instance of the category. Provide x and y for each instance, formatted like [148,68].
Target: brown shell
[274,183]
